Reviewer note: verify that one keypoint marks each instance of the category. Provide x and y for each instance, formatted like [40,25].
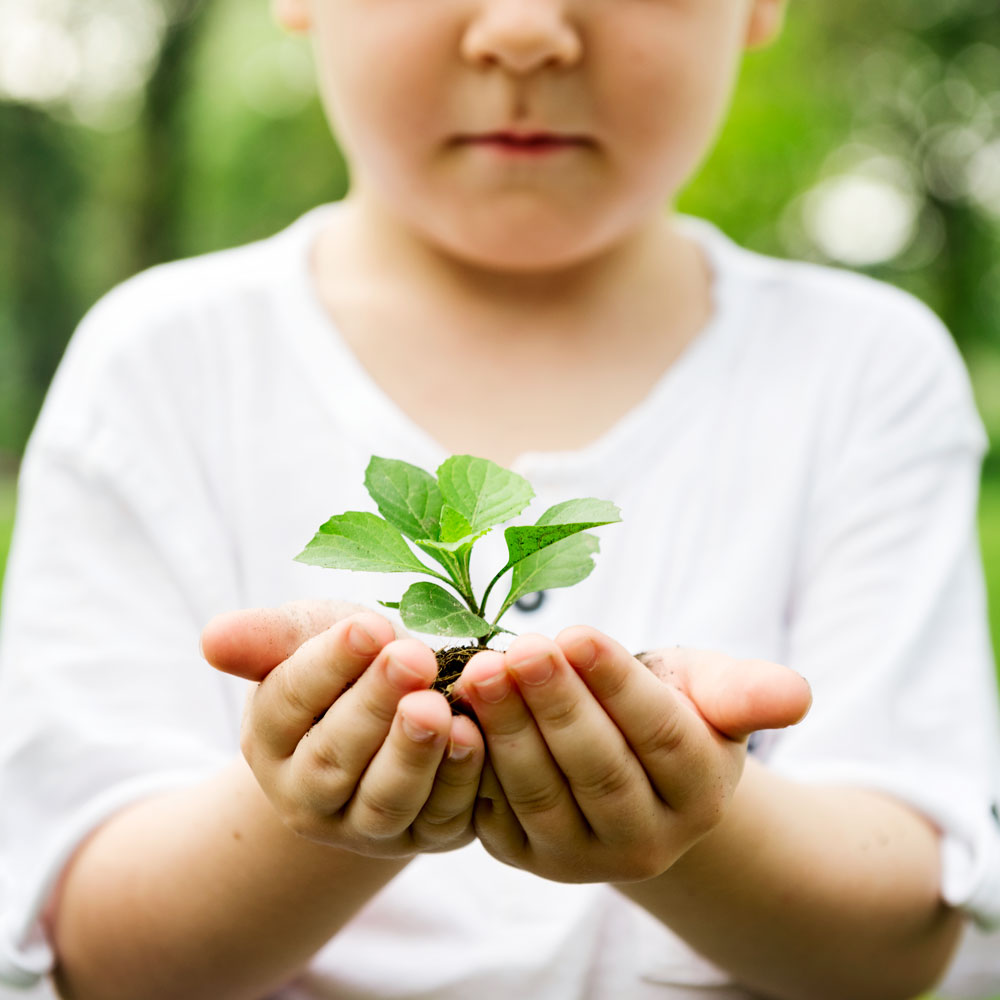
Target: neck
[604,285]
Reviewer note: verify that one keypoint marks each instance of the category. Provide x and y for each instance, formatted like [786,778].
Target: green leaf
[481,491]
[359,540]
[457,537]
[454,526]
[446,553]
[390,604]
[561,564]
[558,522]
[407,496]
[597,512]
[426,607]
[457,548]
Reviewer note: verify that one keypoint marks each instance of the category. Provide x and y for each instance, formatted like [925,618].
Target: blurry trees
[136,131]
[157,226]
[41,179]
[127,139]
[928,96]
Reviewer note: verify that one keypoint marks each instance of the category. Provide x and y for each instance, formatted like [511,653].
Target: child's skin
[587,765]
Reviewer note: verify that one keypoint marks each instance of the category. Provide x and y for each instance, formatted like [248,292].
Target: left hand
[603,769]
[341,733]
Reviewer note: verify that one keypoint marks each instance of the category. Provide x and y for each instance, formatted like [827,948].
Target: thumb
[250,643]
[737,697]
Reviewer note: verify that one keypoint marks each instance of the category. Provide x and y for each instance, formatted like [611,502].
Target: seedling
[443,517]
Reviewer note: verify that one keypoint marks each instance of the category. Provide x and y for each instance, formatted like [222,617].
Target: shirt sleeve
[888,619]
[117,561]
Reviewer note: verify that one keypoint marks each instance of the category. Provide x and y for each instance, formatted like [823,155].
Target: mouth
[526,142]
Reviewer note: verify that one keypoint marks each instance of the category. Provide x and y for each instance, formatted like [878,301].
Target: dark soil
[451,662]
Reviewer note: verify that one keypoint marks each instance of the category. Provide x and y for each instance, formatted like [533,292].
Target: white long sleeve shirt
[799,486]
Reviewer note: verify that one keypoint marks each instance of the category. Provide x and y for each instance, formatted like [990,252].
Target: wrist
[217,864]
[807,891]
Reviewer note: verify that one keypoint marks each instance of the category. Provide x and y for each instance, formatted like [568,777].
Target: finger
[532,782]
[447,813]
[496,825]
[609,784]
[399,779]
[287,703]
[663,728]
[252,642]
[341,745]
[737,697]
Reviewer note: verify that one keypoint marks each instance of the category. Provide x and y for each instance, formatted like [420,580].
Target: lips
[527,140]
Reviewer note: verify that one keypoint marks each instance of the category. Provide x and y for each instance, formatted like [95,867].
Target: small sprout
[443,518]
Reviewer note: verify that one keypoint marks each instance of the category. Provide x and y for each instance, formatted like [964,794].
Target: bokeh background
[138,131]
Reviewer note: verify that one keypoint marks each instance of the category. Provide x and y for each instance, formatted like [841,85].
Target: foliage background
[138,131]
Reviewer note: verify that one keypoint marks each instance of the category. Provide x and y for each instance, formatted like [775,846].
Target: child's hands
[341,733]
[601,769]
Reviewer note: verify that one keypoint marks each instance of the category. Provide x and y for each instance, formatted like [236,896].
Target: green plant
[443,516]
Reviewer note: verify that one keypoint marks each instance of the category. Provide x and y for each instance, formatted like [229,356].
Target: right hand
[342,733]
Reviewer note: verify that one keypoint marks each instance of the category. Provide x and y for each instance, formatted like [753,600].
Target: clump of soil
[451,662]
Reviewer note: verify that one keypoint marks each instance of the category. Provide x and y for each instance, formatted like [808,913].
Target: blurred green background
[138,131]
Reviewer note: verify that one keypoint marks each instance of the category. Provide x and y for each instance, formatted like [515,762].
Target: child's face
[641,85]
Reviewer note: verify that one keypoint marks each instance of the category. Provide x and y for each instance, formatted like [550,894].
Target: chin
[533,246]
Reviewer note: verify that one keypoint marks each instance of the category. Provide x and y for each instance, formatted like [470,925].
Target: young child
[796,454]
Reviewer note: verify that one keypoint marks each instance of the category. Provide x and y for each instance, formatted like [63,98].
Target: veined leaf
[454,526]
[443,518]
[456,534]
[588,509]
[481,491]
[558,522]
[431,548]
[407,496]
[426,607]
[561,564]
[359,540]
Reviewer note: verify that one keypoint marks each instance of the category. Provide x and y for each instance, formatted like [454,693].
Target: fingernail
[535,669]
[459,753]
[584,655]
[495,688]
[417,733]
[401,675]
[360,640]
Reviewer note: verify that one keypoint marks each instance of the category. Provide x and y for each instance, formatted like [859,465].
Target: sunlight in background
[93,58]
[983,178]
[927,136]
[863,217]
[938,136]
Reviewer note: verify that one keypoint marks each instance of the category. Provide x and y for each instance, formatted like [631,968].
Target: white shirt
[799,486]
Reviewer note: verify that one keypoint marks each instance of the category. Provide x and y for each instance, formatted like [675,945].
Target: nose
[521,36]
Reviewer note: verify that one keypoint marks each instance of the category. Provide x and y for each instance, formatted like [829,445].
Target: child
[796,454]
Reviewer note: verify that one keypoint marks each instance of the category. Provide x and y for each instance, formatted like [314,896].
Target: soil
[451,661]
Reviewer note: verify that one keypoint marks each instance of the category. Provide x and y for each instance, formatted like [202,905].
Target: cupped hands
[604,768]
[342,733]
[588,764]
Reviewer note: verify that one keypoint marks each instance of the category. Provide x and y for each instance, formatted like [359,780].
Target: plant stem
[463,559]
[503,610]
[489,588]
[457,579]
[455,585]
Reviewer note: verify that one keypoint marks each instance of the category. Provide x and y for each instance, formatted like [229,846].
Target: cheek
[669,90]
[379,83]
